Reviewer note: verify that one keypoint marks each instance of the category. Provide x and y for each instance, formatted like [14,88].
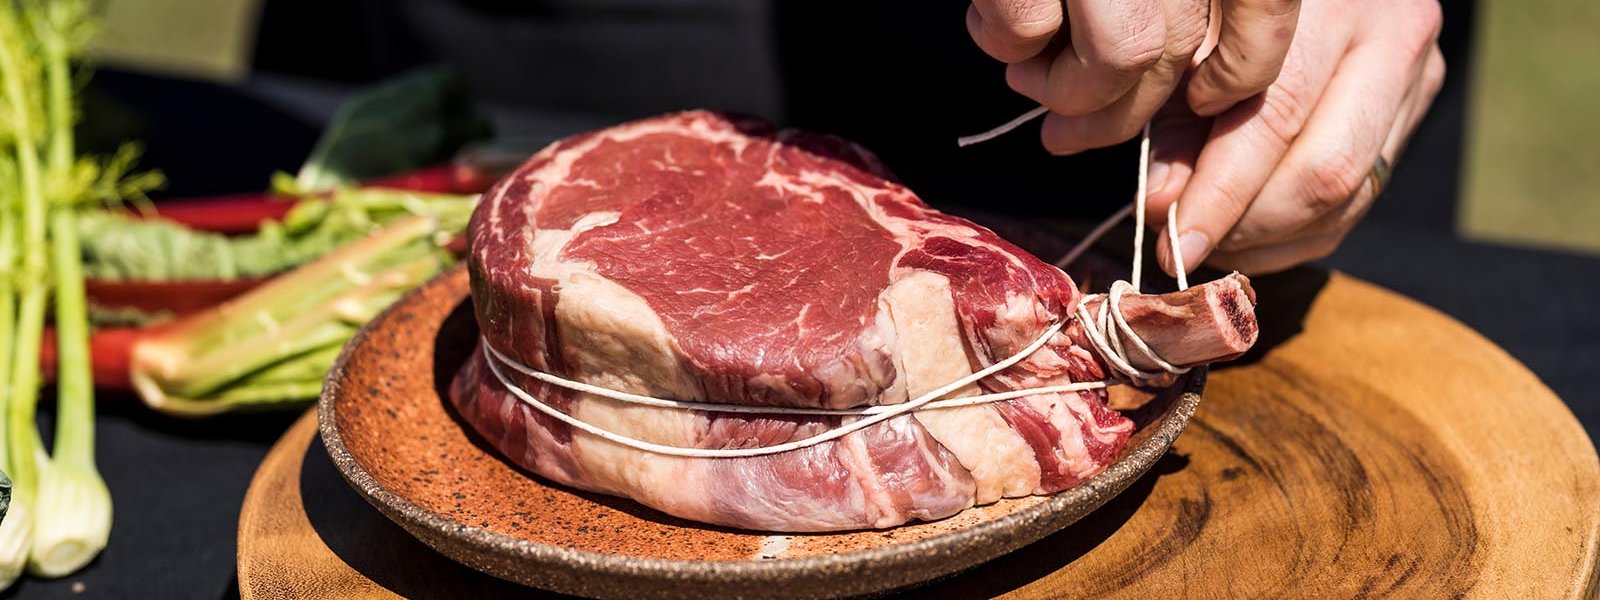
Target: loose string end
[1095,234]
[980,138]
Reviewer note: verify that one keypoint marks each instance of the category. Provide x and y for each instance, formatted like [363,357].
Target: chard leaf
[418,119]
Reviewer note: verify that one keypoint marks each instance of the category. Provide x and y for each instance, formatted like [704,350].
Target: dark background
[900,77]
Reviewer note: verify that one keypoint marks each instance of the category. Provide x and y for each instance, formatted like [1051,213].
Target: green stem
[332,322]
[58,77]
[24,381]
[8,309]
[74,382]
[21,442]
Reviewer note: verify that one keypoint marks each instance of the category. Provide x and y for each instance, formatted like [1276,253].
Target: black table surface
[177,485]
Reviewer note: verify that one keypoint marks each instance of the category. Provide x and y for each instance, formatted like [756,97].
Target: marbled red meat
[708,258]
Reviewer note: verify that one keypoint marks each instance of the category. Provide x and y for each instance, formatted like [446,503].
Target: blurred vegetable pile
[272,346]
[59,516]
[118,247]
[340,255]
[344,253]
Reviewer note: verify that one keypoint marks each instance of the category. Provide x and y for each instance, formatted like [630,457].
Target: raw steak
[703,257]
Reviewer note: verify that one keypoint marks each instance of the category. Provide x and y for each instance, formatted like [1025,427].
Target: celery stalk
[275,343]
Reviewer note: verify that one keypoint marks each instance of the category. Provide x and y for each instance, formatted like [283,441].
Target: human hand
[1117,62]
[1281,178]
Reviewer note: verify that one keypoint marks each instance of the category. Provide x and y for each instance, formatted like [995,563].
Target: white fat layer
[1104,435]
[1067,412]
[881,509]
[613,339]
[1014,324]
[930,354]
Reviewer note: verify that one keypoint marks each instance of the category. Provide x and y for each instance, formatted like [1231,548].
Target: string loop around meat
[867,420]
[1107,330]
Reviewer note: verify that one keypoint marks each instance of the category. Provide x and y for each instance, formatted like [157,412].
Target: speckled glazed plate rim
[978,543]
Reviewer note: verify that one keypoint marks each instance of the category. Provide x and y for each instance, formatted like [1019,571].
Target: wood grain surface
[1371,447]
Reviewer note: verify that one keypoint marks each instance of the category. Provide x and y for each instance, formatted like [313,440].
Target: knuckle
[1036,29]
[1281,115]
[1240,75]
[1332,181]
[1433,72]
[1188,31]
[1136,53]
[1430,18]
[1418,26]
[1031,31]
[1013,30]
[1280,8]
[1030,22]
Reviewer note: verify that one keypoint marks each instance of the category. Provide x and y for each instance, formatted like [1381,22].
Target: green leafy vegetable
[416,120]
[123,248]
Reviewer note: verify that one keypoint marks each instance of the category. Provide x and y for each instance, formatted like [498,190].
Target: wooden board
[1372,446]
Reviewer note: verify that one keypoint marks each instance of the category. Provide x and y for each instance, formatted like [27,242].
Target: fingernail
[1195,245]
[1158,177]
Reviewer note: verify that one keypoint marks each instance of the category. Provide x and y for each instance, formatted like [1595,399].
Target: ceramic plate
[389,428]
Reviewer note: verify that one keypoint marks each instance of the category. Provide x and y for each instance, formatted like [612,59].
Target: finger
[1013,30]
[1432,81]
[1123,119]
[1176,137]
[1411,114]
[1277,257]
[1244,147]
[1327,165]
[1112,45]
[1251,47]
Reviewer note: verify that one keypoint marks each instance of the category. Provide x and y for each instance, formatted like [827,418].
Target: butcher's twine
[1106,329]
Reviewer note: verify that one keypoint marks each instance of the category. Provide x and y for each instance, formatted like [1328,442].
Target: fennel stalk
[61,511]
[73,510]
[26,205]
